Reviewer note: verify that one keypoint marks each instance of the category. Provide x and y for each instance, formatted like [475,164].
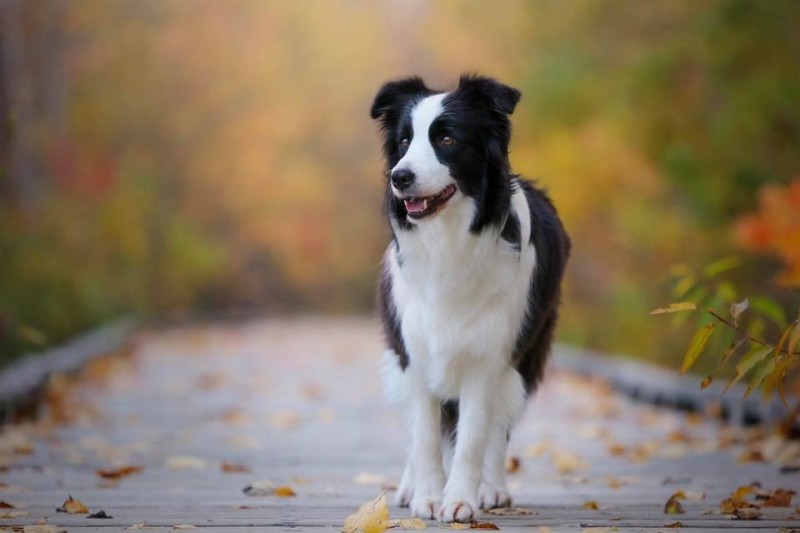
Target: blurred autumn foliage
[208,156]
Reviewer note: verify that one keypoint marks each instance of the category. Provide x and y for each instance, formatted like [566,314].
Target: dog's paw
[424,508]
[491,497]
[404,495]
[457,511]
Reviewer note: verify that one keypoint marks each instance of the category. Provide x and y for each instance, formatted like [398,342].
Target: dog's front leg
[460,494]
[427,470]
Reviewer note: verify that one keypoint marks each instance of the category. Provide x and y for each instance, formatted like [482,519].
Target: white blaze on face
[431,175]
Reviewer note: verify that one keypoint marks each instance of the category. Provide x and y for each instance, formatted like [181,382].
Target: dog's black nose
[402,179]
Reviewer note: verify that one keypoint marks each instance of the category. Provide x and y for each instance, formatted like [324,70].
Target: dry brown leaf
[483,525]
[407,523]
[73,506]
[283,492]
[616,449]
[674,525]
[233,468]
[513,464]
[456,525]
[752,456]
[5,505]
[372,517]
[510,511]
[779,498]
[591,504]
[184,526]
[119,473]
[673,505]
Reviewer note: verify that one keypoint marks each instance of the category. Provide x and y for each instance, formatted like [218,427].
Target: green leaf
[729,352]
[719,266]
[770,309]
[762,369]
[748,362]
[697,346]
[683,286]
[674,308]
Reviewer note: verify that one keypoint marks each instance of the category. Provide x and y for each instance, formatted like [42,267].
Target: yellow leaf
[674,308]
[73,506]
[372,517]
[706,382]
[283,492]
[747,363]
[697,346]
[591,504]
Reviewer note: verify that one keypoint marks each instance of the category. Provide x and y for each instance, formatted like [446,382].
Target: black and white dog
[470,288]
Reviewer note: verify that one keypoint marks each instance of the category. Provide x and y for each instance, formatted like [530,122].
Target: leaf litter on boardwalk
[73,506]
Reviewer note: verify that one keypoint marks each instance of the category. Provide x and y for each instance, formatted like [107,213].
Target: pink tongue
[415,206]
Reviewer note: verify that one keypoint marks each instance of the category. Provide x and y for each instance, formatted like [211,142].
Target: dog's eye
[446,140]
[404,142]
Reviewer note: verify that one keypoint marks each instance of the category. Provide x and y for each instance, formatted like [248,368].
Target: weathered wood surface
[299,403]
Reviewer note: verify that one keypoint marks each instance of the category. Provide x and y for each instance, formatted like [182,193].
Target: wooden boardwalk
[298,404]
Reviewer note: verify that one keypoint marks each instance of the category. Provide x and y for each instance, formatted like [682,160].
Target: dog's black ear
[500,97]
[396,92]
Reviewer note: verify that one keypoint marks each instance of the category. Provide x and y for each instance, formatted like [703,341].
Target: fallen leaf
[119,473]
[483,525]
[5,505]
[233,468]
[747,513]
[184,526]
[407,523]
[674,525]
[283,492]
[591,504]
[779,498]
[456,525]
[510,511]
[99,514]
[567,462]
[513,465]
[673,505]
[73,506]
[372,517]
[185,462]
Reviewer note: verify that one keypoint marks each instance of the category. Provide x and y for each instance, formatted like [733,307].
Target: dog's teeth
[424,204]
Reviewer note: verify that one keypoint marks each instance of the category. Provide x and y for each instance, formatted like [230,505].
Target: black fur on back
[477,113]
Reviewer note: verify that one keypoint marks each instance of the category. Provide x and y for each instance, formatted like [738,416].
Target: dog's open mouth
[427,205]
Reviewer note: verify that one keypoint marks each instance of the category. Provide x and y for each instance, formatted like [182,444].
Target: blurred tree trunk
[32,97]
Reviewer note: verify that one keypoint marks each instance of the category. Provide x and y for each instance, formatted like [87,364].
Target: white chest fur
[461,298]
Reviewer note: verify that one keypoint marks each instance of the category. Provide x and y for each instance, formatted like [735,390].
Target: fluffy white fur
[460,298]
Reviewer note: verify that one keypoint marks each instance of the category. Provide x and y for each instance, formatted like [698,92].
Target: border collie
[469,290]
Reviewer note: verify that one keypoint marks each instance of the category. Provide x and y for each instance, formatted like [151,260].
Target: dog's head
[442,146]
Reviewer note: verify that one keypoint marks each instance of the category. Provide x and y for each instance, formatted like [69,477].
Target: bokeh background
[207,158]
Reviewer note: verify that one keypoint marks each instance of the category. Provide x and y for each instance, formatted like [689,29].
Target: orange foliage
[775,229]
